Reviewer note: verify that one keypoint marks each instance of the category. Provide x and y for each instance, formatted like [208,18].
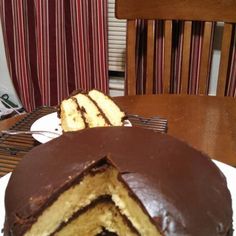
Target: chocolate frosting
[181,188]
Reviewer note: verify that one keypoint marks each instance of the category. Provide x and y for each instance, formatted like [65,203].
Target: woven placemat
[14,147]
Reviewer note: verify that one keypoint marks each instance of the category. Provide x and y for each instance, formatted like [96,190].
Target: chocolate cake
[117,181]
[92,109]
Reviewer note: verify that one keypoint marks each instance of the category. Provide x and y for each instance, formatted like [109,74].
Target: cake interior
[98,201]
[71,117]
[97,217]
[91,112]
[109,108]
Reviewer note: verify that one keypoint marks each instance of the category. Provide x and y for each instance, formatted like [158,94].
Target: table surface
[205,122]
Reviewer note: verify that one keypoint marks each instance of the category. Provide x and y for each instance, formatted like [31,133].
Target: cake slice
[96,200]
[94,109]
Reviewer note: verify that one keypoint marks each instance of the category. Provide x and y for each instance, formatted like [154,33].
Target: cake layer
[181,188]
[103,215]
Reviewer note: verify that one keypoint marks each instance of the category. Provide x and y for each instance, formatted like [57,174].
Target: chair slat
[224,60]
[130,58]
[186,56]
[150,56]
[205,57]
[167,55]
[231,83]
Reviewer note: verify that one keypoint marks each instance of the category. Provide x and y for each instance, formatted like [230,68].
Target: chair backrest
[206,12]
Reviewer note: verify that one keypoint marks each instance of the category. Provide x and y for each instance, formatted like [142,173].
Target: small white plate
[51,123]
[3,184]
[229,172]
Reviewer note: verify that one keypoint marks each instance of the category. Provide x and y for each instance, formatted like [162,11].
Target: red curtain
[54,47]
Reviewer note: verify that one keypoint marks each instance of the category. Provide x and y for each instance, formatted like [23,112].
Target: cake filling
[99,217]
[98,182]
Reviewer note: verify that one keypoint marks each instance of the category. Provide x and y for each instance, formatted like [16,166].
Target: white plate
[53,124]
[3,185]
[229,172]
[48,122]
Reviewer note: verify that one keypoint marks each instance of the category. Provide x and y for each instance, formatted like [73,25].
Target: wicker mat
[14,147]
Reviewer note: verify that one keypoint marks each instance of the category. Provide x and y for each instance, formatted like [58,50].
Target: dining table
[207,123]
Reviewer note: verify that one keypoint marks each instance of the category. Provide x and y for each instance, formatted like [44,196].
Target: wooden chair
[207,11]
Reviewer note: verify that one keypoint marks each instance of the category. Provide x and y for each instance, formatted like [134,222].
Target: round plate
[48,122]
[51,123]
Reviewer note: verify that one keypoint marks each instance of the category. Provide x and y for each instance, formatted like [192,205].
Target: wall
[216,58]
[6,85]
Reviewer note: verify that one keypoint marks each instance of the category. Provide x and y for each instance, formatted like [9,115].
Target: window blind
[116,40]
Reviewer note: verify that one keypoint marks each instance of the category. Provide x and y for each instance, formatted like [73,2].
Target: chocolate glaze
[182,189]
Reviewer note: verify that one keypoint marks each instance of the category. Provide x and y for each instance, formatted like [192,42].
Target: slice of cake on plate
[92,109]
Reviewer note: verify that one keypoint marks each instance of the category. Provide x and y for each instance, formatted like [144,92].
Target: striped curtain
[54,47]
[177,50]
